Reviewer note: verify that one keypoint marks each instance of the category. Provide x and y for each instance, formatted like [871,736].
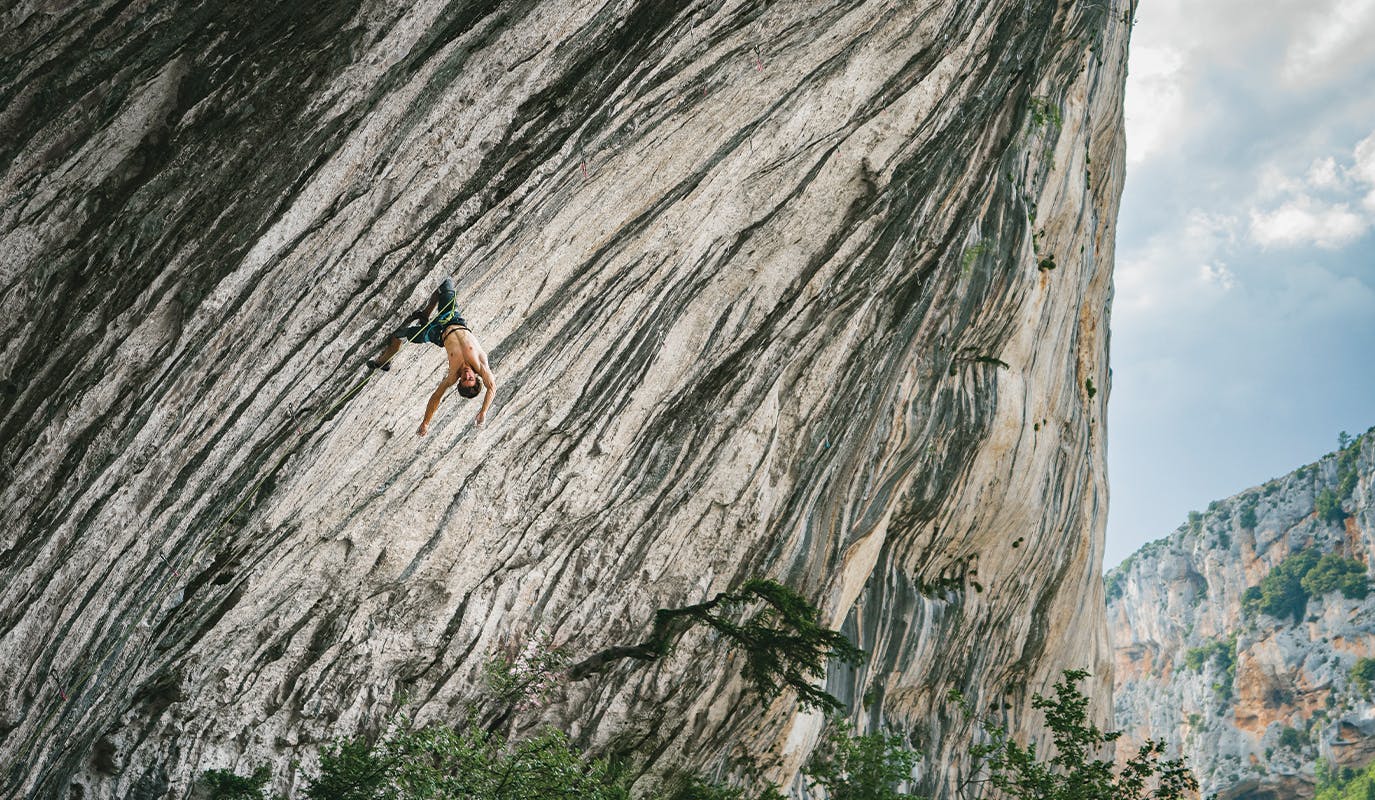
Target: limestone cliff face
[814,291]
[1253,699]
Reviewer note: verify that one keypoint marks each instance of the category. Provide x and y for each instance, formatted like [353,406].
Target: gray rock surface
[1254,722]
[813,291]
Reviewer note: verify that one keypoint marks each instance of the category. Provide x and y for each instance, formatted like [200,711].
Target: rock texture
[813,291]
[1264,696]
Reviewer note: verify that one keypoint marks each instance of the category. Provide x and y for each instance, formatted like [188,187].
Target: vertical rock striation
[1254,688]
[813,291]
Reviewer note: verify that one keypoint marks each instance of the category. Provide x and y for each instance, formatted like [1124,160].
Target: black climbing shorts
[446,314]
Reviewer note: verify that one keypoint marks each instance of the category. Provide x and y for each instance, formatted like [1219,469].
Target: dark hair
[471,391]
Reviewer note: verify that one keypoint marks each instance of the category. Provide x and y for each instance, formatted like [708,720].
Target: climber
[467,359]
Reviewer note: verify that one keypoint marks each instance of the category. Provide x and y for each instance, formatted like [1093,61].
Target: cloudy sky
[1243,328]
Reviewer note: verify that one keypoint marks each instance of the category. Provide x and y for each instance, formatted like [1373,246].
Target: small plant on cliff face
[1247,518]
[1042,111]
[1328,506]
[971,255]
[1075,772]
[869,767]
[1292,738]
[1362,676]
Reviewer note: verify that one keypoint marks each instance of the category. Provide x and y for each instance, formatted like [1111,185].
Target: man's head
[468,384]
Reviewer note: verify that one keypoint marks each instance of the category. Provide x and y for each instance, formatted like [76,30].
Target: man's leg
[383,362]
[398,337]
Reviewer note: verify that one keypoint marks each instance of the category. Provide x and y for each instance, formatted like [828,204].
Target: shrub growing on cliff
[1222,654]
[1328,506]
[1334,572]
[1075,772]
[1362,675]
[1247,518]
[1281,592]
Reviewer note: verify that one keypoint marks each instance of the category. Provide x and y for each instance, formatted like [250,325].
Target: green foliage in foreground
[869,767]
[437,762]
[1343,783]
[1075,772]
[223,784]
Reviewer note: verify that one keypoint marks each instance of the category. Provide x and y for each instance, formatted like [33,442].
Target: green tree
[1075,772]
[869,767]
[784,644]
[1281,593]
[1344,783]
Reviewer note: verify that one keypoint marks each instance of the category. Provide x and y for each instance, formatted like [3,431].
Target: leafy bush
[1016,771]
[1222,652]
[1334,572]
[1195,522]
[1292,738]
[869,767]
[223,784]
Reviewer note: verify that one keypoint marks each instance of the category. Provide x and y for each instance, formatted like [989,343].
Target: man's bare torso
[464,350]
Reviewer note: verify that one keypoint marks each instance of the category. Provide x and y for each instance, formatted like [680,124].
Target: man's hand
[481,418]
[423,429]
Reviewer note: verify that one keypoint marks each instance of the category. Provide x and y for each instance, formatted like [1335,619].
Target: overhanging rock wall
[813,291]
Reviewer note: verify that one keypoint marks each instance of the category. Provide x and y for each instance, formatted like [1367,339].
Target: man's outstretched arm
[491,384]
[433,405]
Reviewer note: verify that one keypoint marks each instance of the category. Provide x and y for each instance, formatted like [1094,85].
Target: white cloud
[1325,207]
[1363,169]
[1334,37]
[1218,275]
[1175,269]
[1304,220]
[1154,101]
[1323,174]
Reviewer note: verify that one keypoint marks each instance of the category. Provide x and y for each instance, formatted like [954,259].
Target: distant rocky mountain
[1246,638]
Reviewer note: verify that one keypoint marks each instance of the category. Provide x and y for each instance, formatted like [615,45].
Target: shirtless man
[467,359]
